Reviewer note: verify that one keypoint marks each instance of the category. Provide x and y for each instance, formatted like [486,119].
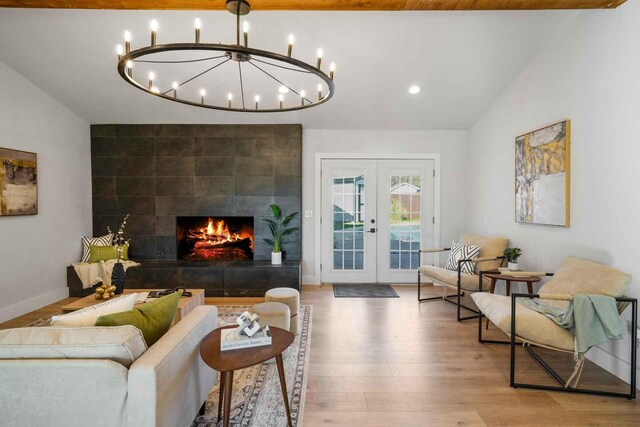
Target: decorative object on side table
[279,230]
[18,182]
[248,334]
[542,175]
[512,255]
[118,275]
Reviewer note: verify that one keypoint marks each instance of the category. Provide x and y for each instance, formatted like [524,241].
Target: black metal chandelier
[268,66]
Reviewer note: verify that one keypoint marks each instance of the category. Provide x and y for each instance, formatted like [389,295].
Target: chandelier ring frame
[224,48]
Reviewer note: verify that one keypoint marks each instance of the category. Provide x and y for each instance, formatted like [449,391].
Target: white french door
[376,215]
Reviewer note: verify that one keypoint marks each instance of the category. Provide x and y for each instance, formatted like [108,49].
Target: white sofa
[101,376]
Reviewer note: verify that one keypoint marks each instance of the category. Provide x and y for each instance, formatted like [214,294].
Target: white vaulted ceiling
[461,60]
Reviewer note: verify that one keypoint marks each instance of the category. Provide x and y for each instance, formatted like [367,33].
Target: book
[230,339]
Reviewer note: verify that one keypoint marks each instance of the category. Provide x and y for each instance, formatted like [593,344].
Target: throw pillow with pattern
[460,252]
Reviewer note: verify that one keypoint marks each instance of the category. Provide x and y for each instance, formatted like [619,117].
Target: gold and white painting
[542,175]
[18,183]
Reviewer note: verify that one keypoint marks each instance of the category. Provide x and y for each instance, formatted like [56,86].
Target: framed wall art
[542,175]
[18,182]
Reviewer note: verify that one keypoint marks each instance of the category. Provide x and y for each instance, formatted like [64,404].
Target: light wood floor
[395,362]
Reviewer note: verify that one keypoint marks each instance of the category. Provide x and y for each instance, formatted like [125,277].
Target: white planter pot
[512,266]
[276,257]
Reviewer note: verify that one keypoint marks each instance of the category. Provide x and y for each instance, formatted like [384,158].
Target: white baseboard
[618,367]
[23,307]
[310,280]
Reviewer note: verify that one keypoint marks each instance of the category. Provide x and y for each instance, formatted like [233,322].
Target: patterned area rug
[257,397]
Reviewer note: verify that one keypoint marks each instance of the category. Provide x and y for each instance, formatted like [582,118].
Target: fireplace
[206,238]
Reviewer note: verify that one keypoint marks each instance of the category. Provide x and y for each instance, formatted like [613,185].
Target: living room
[418,201]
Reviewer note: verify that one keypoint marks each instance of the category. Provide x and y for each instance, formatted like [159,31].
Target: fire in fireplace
[203,238]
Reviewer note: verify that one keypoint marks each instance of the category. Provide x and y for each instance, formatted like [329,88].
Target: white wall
[35,250]
[589,74]
[451,145]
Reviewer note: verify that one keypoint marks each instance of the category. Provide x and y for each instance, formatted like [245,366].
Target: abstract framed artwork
[542,175]
[18,182]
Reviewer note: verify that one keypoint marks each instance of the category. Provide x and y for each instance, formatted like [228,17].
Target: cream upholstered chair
[533,329]
[490,257]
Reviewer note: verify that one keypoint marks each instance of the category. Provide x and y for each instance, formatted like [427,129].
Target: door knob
[371,230]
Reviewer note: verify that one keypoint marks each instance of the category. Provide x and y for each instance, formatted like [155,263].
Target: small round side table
[228,361]
[496,275]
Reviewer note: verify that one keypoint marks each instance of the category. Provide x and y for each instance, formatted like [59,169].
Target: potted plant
[512,255]
[278,226]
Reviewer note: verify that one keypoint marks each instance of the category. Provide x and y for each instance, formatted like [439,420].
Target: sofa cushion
[121,344]
[489,247]
[468,282]
[153,318]
[580,276]
[88,316]
[530,325]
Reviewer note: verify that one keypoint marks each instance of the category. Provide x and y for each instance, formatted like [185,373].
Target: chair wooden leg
[228,392]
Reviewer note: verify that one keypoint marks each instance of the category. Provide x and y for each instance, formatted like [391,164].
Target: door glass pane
[406,225]
[348,222]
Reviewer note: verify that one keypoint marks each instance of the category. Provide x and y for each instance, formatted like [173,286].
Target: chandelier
[230,77]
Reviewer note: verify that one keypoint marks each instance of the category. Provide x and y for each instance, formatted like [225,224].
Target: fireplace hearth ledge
[217,278]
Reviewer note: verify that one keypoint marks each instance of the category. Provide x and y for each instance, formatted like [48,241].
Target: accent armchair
[490,257]
[533,329]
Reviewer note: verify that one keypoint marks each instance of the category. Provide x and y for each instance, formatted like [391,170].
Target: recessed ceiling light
[414,89]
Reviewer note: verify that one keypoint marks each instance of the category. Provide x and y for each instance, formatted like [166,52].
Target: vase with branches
[279,227]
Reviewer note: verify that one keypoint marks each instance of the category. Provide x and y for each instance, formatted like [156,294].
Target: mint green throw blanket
[592,319]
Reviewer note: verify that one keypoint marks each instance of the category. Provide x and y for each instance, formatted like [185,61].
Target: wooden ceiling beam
[320,4]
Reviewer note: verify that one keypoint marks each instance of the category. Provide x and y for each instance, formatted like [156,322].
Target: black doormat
[364,291]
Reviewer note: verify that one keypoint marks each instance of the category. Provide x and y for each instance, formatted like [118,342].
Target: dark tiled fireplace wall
[156,172]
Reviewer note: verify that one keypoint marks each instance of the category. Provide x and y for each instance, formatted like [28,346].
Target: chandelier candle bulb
[154,31]
[245,31]
[257,98]
[302,95]
[319,91]
[175,89]
[291,40]
[155,90]
[119,51]
[332,69]
[198,25]
[229,98]
[130,68]
[202,94]
[127,42]
[152,76]
[319,62]
[281,99]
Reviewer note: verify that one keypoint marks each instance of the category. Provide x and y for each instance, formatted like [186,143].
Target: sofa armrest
[169,383]
[432,251]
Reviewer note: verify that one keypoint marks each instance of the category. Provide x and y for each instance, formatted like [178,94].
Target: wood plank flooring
[395,362]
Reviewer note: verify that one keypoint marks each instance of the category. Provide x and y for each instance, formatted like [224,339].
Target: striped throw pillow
[87,242]
[460,252]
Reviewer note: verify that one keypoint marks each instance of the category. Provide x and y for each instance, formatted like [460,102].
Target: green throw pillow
[153,318]
[105,253]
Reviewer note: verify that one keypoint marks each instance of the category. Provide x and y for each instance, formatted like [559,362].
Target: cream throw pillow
[88,316]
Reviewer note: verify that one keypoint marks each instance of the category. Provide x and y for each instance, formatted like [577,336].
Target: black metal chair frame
[460,293]
[541,362]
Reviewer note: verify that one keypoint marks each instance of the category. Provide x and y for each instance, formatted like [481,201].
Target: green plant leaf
[269,242]
[288,231]
[277,213]
[288,218]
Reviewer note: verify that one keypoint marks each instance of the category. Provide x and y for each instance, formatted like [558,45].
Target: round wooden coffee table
[228,361]
[496,275]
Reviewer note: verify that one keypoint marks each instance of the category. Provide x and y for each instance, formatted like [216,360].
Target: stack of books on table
[230,339]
